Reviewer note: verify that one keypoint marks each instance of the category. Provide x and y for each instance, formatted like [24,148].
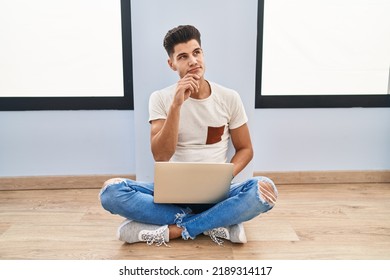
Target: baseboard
[56,182]
[280,178]
[327,177]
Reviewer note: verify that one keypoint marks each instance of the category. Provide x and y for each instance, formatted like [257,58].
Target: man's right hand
[186,86]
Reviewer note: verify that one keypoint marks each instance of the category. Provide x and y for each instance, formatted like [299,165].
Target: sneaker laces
[156,236]
[217,233]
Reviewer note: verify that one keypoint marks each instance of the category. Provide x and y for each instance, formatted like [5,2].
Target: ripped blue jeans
[134,201]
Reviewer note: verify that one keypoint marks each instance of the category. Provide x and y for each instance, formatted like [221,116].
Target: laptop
[191,182]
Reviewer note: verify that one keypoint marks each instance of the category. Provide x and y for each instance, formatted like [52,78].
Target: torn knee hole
[267,192]
[112,181]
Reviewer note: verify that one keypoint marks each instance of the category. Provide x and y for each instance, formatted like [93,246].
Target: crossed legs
[121,200]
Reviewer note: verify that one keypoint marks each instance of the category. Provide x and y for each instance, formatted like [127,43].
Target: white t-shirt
[204,123]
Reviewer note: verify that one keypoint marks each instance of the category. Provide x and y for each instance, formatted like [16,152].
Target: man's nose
[193,60]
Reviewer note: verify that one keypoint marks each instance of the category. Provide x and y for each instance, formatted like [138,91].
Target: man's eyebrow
[198,50]
[180,54]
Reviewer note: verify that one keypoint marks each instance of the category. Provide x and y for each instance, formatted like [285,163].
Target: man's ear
[170,63]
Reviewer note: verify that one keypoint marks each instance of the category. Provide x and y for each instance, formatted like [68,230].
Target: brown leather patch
[214,134]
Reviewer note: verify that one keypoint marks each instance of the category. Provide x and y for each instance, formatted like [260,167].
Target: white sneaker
[234,233]
[130,231]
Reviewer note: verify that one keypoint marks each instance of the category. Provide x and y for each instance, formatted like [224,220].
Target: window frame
[125,102]
[306,101]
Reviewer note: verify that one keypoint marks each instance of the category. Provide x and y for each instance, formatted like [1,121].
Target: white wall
[66,143]
[105,142]
[322,139]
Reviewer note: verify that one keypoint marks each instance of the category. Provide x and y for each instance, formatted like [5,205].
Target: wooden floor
[323,221]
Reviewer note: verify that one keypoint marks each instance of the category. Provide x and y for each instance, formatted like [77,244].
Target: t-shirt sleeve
[157,109]
[238,115]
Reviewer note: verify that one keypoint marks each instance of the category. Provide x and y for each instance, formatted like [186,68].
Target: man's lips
[194,70]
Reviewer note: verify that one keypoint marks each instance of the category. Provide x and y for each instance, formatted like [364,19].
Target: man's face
[187,58]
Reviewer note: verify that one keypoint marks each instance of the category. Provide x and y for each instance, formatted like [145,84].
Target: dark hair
[178,35]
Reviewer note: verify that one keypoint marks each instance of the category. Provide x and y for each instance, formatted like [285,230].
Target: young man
[191,121]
